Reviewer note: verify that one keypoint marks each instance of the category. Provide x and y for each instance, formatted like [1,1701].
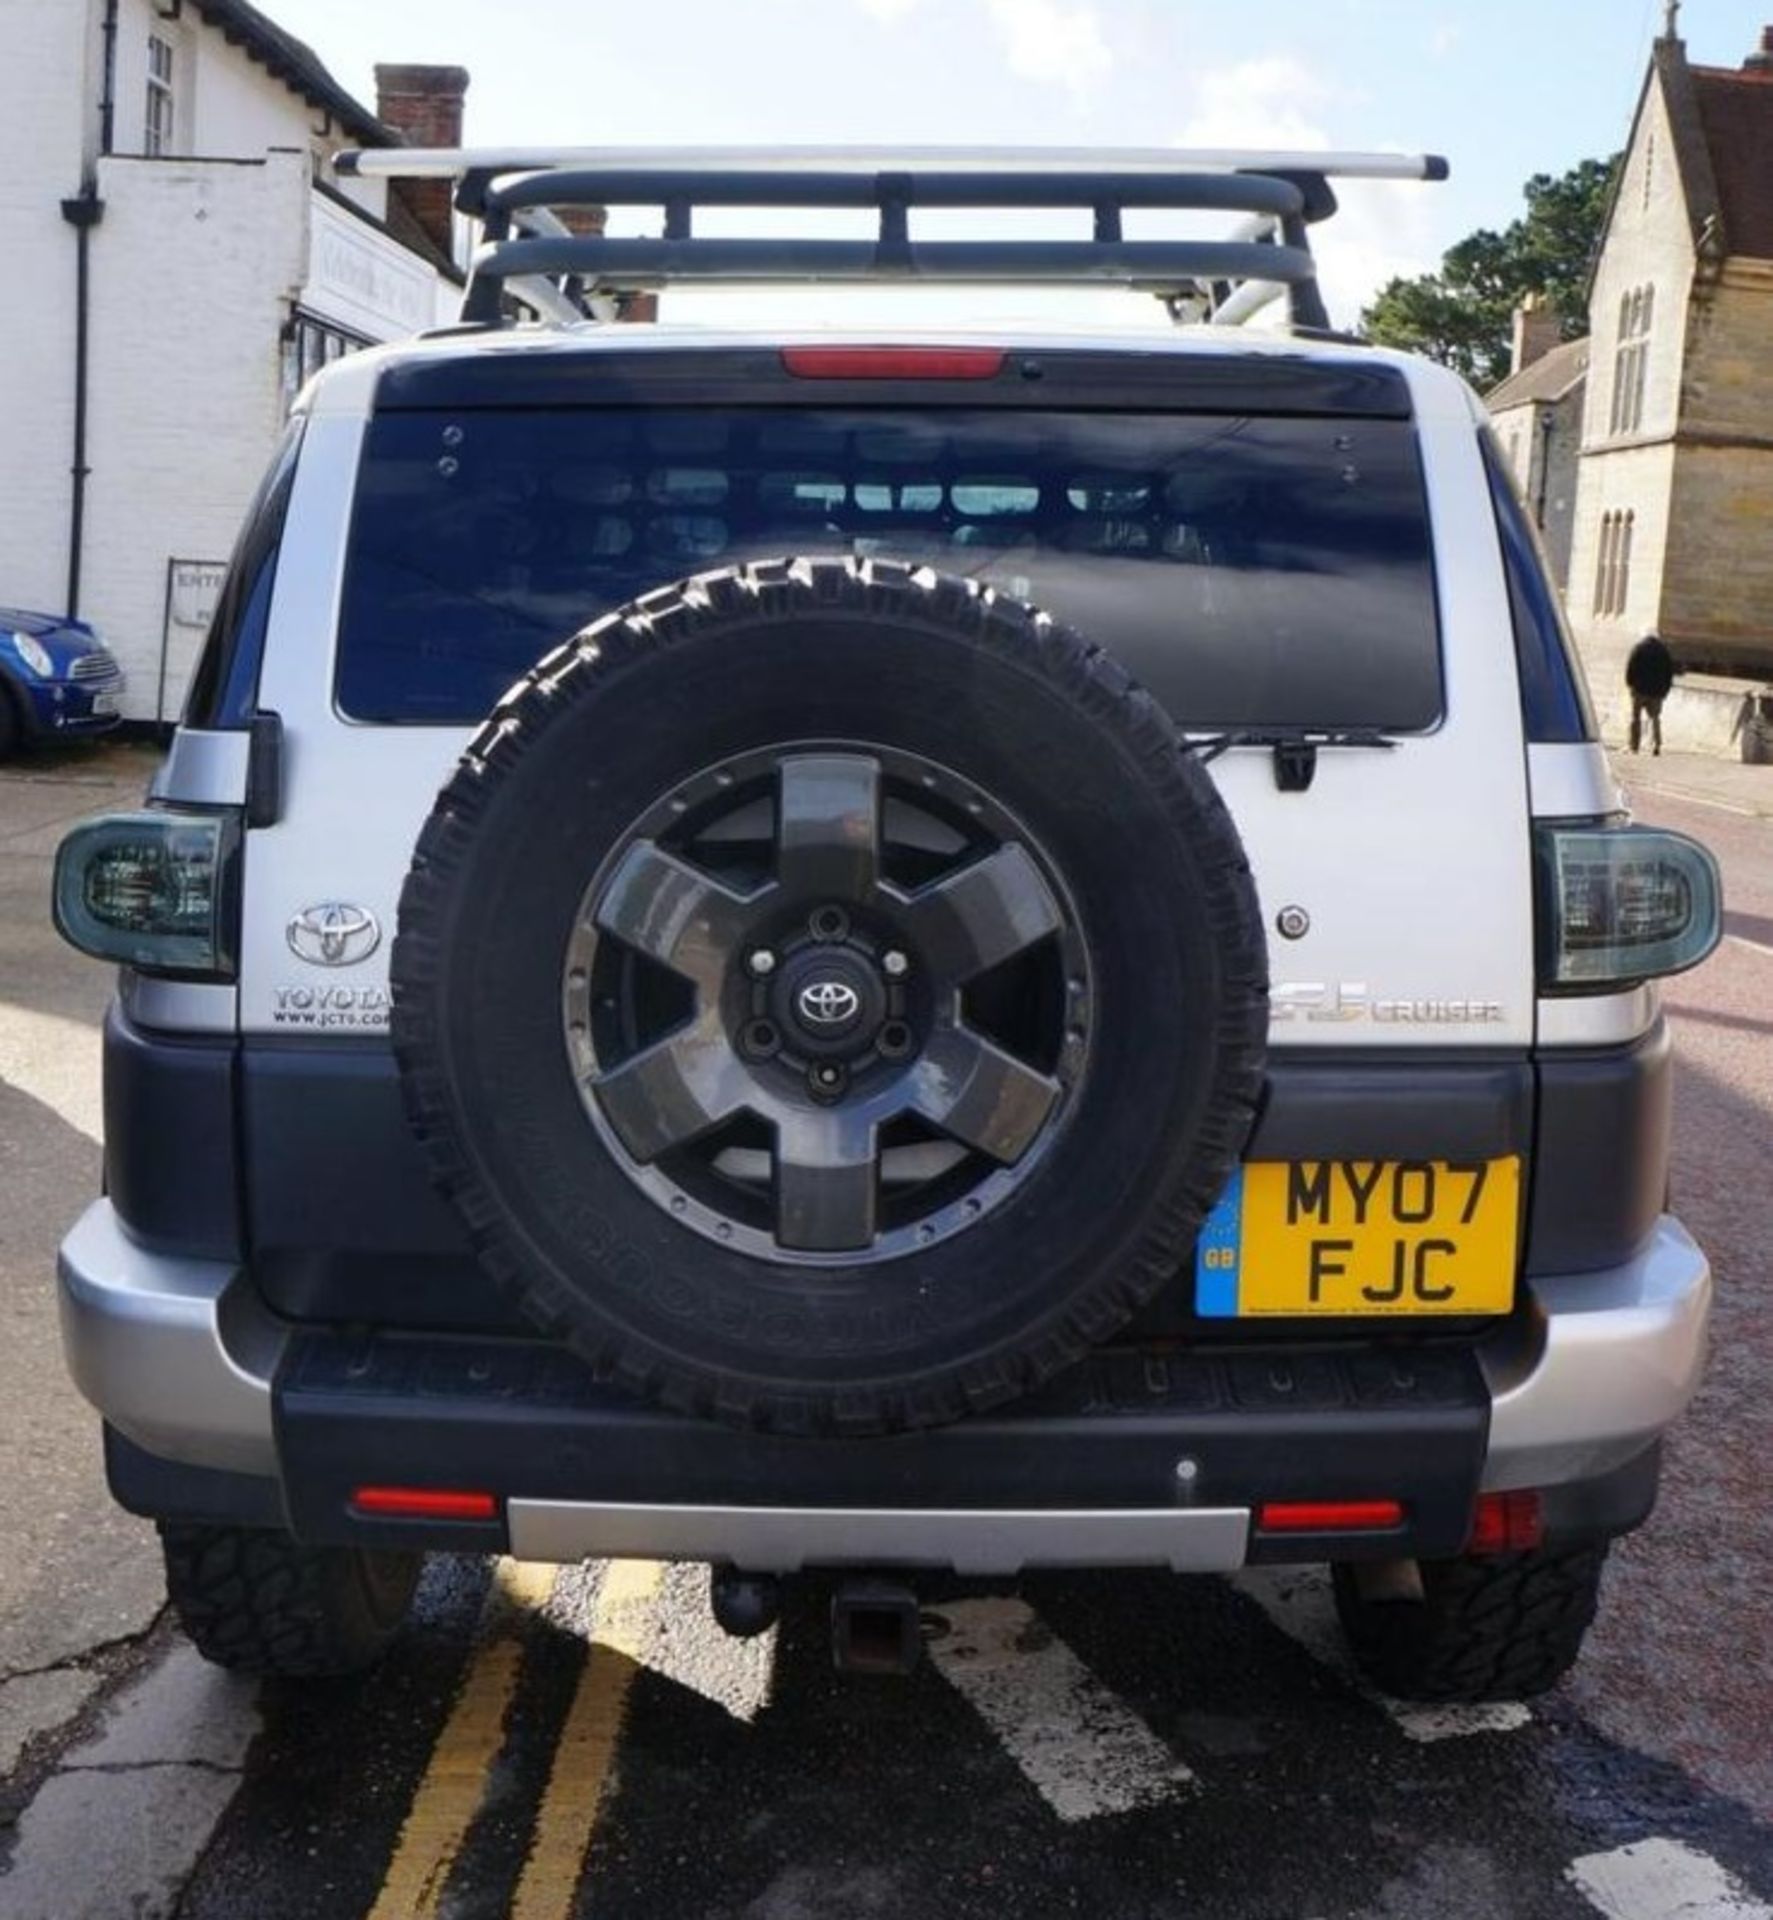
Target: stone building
[1538,416]
[167,197]
[1674,502]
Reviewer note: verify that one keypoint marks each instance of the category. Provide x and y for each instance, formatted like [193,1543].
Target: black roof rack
[530,249]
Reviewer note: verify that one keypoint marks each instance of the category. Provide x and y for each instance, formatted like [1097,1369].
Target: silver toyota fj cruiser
[879,952]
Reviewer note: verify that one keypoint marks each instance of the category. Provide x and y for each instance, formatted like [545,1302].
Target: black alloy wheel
[881,1004]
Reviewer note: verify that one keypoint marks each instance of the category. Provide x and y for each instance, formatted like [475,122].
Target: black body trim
[172,1164]
[1600,1165]
[297,1154]
[1367,1108]
[750,376]
[343,1221]
[157,1489]
[527,1419]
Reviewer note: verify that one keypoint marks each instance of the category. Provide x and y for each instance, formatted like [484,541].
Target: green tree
[1461,315]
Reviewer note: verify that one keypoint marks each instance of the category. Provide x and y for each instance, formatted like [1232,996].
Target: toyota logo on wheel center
[828,1003]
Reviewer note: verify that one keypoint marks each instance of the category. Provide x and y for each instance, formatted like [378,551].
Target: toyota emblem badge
[334,934]
[828,1003]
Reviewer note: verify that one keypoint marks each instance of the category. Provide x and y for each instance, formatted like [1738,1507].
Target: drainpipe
[1547,427]
[83,214]
[108,98]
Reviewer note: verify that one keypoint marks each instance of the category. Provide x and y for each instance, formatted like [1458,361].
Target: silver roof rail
[530,251]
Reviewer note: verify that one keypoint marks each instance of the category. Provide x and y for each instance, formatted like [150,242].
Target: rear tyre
[255,1601]
[1502,1627]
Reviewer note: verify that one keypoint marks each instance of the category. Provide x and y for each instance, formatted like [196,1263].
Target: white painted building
[167,198]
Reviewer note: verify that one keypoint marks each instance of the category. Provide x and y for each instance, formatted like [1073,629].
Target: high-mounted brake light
[1328,1516]
[424,1503]
[894,363]
[1623,904]
[152,890]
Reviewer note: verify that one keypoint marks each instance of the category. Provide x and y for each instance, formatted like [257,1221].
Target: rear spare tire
[830,995]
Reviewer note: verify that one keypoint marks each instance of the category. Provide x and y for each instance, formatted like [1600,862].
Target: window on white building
[158,136]
[1612,580]
[1631,359]
[308,345]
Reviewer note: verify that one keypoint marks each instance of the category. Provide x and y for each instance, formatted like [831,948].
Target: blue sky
[1505,88]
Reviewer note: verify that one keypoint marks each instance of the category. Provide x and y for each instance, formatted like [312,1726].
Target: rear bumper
[192,1371]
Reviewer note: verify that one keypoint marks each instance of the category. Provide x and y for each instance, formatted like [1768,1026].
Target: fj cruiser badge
[334,934]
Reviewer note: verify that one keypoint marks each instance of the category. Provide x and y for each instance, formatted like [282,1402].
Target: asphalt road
[558,1747]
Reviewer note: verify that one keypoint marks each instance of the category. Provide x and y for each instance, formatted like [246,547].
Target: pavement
[565,1745]
[1728,785]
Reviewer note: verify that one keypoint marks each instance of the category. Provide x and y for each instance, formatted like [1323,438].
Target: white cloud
[1048,40]
[1384,226]
[889,10]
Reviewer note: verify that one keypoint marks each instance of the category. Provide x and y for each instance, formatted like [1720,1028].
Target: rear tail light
[153,890]
[1623,904]
[1328,1516]
[1507,1523]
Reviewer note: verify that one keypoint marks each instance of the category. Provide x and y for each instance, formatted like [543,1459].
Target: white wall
[185,411]
[196,267]
[40,163]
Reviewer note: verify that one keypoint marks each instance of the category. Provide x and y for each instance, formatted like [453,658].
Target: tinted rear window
[1251,572]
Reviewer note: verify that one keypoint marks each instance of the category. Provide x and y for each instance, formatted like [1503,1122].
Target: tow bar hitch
[875,1627]
[745,1604]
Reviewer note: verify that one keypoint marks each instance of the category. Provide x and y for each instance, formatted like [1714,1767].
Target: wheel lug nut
[828,1082]
[895,964]
[761,962]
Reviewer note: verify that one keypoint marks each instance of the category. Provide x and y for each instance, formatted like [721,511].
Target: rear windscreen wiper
[1295,749]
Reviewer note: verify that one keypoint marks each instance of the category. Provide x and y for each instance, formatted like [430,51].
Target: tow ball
[875,1624]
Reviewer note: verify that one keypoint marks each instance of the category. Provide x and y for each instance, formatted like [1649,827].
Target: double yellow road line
[453,1790]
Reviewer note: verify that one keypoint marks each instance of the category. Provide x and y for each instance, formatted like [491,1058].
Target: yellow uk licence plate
[1345,1237]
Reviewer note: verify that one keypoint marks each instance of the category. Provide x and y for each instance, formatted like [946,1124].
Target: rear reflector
[424,1503]
[1328,1516]
[894,363]
[1507,1523]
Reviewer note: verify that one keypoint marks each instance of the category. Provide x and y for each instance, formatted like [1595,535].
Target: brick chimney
[424,106]
[1537,329]
[1760,62]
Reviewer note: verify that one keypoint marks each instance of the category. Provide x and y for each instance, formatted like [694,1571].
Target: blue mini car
[56,677]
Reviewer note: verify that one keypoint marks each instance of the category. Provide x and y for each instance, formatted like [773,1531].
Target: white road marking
[1754,946]
[1663,1880]
[1298,1600]
[1080,1748]
[56,1061]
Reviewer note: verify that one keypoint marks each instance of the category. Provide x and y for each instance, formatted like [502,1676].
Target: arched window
[1631,359]
[1612,579]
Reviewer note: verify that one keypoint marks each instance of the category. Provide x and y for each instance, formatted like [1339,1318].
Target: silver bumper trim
[178,1355]
[1604,1364]
[784,1539]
